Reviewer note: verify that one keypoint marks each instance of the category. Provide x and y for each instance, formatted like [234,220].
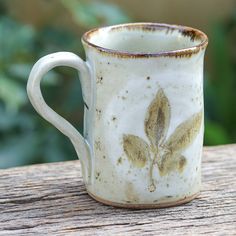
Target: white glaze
[118,104]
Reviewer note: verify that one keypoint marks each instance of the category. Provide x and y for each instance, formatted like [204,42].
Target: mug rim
[186,31]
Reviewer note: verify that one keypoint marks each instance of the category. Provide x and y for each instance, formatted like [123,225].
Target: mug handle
[40,68]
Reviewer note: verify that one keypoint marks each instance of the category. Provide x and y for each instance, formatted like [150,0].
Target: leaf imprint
[182,137]
[136,149]
[167,154]
[169,163]
[184,134]
[156,126]
[158,119]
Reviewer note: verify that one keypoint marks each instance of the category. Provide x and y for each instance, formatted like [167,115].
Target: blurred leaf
[220,84]
[223,75]
[74,98]
[22,71]
[52,39]
[10,121]
[51,78]
[18,150]
[17,40]
[215,134]
[3,7]
[19,70]
[12,93]
[54,146]
[95,13]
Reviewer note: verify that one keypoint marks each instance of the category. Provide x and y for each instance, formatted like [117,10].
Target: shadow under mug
[142,86]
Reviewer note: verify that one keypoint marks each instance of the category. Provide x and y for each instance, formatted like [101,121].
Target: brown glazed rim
[184,30]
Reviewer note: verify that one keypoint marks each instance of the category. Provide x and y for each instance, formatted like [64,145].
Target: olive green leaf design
[164,153]
[136,149]
[158,119]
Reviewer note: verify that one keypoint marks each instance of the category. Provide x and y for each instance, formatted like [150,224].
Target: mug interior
[148,38]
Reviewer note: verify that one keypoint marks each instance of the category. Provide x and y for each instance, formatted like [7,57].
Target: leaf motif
[181,163]
[184,134]
[136,149]
[158,119]
[169,163]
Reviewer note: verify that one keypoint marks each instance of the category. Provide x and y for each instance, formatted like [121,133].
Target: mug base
[145,206]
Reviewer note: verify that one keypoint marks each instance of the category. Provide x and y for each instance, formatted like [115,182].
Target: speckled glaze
[143,129]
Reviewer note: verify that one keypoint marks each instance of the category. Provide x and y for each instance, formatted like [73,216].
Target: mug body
[145,123]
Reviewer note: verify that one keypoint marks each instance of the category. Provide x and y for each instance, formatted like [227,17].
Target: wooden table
[50,199]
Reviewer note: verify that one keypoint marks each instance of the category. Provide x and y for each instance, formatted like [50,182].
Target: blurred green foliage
[25,138]
[220,84]
[95,13]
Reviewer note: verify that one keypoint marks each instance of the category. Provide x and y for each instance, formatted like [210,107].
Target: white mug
[142,86]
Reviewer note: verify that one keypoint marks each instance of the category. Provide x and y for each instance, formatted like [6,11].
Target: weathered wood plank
[51,199]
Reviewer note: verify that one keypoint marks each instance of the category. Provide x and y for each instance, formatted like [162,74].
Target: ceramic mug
[142,86]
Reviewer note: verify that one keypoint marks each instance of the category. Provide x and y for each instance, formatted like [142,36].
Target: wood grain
[50,199]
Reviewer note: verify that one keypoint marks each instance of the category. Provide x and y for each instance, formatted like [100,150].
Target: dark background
[30,29]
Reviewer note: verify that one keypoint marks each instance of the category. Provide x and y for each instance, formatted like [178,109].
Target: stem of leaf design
[152,185]
[156,126]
